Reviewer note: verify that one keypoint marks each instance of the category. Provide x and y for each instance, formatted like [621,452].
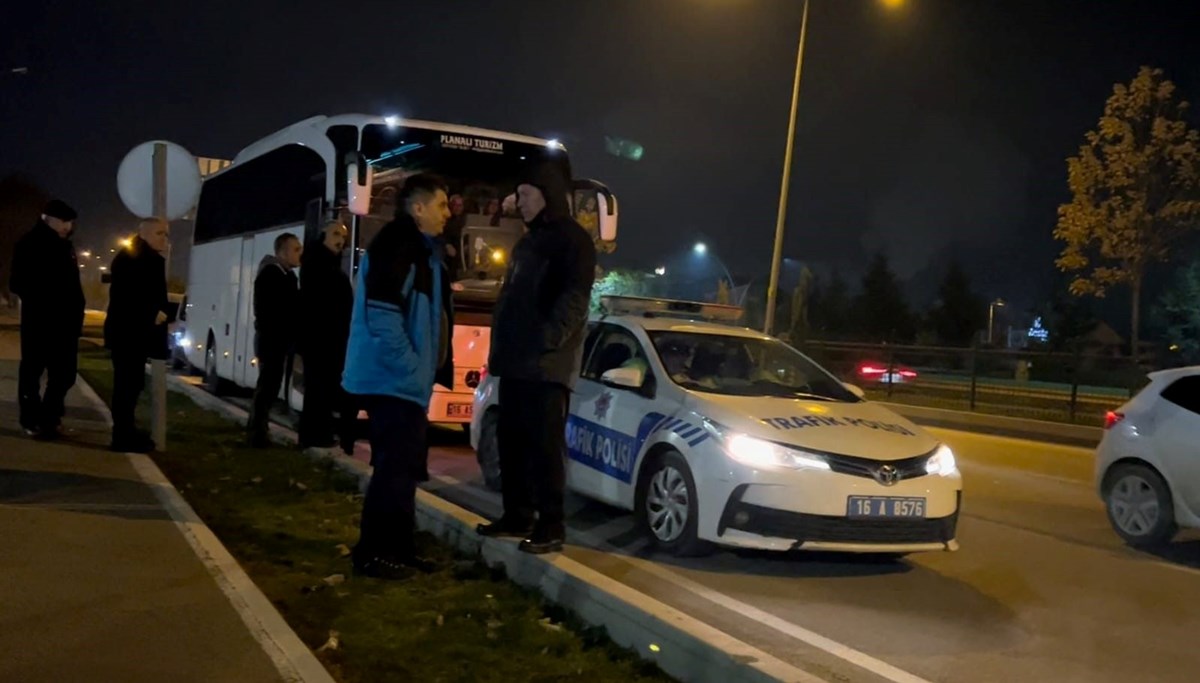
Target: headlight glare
[942,462]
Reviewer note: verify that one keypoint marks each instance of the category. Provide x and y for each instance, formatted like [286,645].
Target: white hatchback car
[719,434]
[1148,464]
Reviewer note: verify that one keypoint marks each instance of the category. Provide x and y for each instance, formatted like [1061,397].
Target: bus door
[243,350]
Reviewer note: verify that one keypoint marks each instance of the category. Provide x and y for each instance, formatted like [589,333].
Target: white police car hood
[862,429]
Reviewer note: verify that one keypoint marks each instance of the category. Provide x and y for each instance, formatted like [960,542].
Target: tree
[1178,313]
[960,312]
[618,282]
[1135,186]
[829,307]
[798,330]
[881,312]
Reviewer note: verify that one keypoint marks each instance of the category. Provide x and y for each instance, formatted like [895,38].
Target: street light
[701,249]
[777,254]
[998,303]
[660,271]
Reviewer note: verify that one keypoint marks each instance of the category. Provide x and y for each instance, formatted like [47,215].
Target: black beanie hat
[553,181]
[59,209]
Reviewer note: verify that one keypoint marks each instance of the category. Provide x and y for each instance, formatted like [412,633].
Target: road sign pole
[158,366]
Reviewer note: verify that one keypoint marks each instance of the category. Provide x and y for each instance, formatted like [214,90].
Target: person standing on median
[45,275]
[399,348]
[276,315]
[326,300]
[537,342]
[135,329]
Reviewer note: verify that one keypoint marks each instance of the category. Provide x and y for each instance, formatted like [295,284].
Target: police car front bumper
[773,514]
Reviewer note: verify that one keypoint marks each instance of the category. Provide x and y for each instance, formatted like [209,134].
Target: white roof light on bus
[554,144]
[392,121]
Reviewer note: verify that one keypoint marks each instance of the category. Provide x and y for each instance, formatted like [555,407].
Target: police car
[713,433]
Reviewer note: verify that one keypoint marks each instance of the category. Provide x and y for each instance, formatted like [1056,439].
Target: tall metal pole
[158,367]
[991,317]
[777,255]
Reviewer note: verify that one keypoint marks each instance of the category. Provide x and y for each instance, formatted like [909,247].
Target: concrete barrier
[1039,430]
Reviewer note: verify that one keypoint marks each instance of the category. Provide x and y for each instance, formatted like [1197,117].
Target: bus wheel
[212,381]
[488,450]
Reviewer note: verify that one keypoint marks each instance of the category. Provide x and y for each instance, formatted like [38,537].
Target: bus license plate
[459,410]
[884,506]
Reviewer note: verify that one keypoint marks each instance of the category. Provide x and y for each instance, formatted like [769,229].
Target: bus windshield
[480,172]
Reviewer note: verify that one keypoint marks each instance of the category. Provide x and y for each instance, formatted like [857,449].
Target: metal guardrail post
[1075,362]
[974,365]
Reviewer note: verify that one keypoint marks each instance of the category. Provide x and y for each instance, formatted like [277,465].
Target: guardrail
[1077,388]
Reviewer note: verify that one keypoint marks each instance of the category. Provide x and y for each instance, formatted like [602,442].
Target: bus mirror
[596,208]
[359,175]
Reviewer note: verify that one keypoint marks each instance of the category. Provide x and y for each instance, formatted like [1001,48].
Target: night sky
[940,128]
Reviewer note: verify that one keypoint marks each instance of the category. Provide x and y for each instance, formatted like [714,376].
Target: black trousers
[323,394]
[129,379]
[399,452]
[533,447]
[55,356]
[272,365]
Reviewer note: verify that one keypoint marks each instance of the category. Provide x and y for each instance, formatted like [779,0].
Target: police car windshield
[744,366]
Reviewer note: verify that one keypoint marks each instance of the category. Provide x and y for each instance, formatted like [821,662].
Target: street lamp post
[701,249]
[777,253]
[998,303]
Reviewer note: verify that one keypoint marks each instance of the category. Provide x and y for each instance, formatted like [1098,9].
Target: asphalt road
[1041,590]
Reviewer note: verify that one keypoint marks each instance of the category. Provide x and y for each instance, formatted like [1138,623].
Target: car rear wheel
[487,452]
[1139,506]
[668,507]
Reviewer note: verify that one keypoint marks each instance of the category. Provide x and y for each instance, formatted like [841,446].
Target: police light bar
[669,308]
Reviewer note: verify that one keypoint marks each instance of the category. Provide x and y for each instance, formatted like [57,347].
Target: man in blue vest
[399,347]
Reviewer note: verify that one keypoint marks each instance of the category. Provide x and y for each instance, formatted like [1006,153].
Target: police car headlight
[763,454]
[942,462]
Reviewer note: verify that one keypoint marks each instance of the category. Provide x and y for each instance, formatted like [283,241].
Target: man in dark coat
[276,318]
[136,327]
[45,275]
[537,340]
[326,299]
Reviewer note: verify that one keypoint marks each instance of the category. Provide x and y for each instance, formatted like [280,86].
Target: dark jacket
[45,274]
[136,295]
[326,300]
[276,307]
[403,318]
[541,316]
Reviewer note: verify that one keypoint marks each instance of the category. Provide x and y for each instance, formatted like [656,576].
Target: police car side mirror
[627,378]
[856,390]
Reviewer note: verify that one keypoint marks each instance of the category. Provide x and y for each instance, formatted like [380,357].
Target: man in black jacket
[537,340]
[326,301]
[45,274]
[136,327]
[276,318]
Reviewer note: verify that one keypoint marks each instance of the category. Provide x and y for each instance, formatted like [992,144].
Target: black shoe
[258,440]
[47,433]
[541,542]
[505,527]
[135,444]
[30,431]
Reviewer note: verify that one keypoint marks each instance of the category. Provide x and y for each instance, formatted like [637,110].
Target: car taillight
[482,374]
[909,374]
[871,370]
[1112,418]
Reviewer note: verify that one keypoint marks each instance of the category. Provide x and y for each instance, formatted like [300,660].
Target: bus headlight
[763,454]
[942,462]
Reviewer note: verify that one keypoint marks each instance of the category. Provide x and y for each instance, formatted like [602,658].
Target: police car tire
[687,544]
[488,451]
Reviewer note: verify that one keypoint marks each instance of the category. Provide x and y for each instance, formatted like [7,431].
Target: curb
[1037,430]
[294,661]
[681,645]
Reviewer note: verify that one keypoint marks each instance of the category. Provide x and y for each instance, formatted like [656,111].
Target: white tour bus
[350,168]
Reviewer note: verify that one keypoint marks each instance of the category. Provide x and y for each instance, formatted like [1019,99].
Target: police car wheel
[488,450]
[667,506]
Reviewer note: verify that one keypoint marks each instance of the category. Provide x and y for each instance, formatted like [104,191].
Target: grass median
[289,521]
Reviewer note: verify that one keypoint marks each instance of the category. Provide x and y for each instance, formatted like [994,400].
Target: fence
[1065,387]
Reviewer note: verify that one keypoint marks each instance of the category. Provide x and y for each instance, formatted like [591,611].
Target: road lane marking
[844,652]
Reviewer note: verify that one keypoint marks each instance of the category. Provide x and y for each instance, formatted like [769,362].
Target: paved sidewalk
[96,581]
